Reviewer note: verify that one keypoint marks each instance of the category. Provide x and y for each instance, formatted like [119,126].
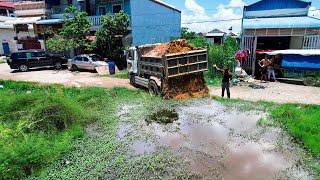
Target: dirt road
[274,92]
[65,77]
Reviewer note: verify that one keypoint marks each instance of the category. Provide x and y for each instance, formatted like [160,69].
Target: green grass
[3,60]
[302,122]
[121,75]
[43,134]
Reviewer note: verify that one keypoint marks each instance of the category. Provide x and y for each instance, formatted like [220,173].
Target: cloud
[236,4]
[197,13]
[193,6]
[314,12]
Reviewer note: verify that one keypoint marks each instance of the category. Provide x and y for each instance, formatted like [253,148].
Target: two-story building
[151,21]
[278,25]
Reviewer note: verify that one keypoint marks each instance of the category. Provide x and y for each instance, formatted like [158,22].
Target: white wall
[7,35]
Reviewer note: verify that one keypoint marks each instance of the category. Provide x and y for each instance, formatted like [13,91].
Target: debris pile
[176,46]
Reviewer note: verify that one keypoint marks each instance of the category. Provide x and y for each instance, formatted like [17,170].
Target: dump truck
[168,74]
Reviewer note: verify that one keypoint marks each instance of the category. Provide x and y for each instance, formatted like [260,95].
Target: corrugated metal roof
[49,21]
[281,22]
[277,4]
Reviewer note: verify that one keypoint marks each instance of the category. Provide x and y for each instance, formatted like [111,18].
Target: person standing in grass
[226,78]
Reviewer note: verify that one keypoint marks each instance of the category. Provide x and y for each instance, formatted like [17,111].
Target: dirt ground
[273,92]
[64,77]
[216,142]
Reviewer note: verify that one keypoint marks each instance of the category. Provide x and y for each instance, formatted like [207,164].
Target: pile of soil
[185,87]
[176,46]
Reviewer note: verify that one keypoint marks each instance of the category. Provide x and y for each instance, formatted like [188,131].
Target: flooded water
[221,143]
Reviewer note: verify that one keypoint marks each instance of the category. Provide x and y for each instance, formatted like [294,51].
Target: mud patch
[142,147]
[164,116]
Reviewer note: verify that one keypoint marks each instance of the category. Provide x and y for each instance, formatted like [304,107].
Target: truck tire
[309,81]
[132,82]
[23,68]
[154,89]
[57,65]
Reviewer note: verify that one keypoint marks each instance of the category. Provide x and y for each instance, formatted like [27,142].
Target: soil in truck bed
[184,87]
[181,87]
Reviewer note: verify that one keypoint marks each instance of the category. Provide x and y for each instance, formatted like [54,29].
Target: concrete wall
[296,42]
[7,35]
[153,23]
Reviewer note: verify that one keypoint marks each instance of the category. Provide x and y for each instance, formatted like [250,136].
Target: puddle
[142,147]
[124,131]
[163,116]
[217,143]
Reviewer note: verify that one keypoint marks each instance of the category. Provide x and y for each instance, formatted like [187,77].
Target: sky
[216,10]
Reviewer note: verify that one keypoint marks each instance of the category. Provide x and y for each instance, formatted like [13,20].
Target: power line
[221,20]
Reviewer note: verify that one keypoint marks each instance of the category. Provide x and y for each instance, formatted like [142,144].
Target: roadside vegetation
[3,59]
[56,132]
[220,55]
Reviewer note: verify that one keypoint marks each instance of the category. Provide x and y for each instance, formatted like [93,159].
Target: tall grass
[39,123]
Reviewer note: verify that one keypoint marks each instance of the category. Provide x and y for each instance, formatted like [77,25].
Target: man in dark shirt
[226,78]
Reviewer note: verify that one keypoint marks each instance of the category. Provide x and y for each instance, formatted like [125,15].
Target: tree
[187,34]
[75,29]
[109,35]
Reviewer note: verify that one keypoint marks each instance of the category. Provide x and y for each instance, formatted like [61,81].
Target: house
[278,25]
[216,36]
[6,11]
[151,21]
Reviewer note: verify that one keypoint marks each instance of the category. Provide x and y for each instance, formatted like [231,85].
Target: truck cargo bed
[173,65]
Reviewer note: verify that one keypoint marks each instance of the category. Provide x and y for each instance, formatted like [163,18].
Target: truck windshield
[96,58]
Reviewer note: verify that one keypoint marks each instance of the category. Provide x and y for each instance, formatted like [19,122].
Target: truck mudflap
[180,64]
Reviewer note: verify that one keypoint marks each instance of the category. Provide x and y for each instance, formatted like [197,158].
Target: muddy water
[221,143]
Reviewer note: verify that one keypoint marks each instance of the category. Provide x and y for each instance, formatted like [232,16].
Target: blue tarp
[299,61]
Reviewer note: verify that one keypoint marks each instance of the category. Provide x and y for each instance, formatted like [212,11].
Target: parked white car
[86,61]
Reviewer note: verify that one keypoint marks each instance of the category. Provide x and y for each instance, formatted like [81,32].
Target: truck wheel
[23,68]
[57,65]
[154,89]
[132,80]
[309,81]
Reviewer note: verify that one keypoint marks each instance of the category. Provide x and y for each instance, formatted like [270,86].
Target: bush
[37,125]
[222,55]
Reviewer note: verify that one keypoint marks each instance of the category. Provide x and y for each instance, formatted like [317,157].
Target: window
[78,58]
[96,58]
[102,10]
[3,12]
[39,54]
[85,59]
[18,55]
[116,8]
